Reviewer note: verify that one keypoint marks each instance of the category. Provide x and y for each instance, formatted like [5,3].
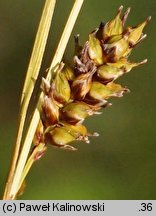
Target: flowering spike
[83,89]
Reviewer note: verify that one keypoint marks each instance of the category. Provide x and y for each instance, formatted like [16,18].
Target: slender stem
[35,119]
[31,76]
[39,47]
[35,155]
[66,33]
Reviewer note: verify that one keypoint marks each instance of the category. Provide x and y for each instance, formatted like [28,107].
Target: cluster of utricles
[82,90]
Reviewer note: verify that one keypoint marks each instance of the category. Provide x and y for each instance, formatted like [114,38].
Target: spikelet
[80,91]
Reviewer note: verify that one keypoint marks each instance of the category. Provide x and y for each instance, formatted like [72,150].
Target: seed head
[83,89]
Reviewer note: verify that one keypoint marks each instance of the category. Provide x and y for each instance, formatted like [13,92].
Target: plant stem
[35,119]
[30,80]
[38,151]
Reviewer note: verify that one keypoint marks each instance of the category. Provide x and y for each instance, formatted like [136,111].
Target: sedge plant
[71,92]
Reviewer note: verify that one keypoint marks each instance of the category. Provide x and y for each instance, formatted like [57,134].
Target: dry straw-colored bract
[72,93]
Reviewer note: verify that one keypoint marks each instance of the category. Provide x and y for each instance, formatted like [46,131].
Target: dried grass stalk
[20,171]
[30,80]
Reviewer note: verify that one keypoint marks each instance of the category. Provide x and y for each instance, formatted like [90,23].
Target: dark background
[120,164]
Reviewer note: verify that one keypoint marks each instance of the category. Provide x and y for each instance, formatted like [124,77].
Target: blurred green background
[121,163]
